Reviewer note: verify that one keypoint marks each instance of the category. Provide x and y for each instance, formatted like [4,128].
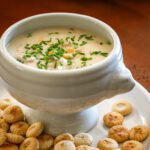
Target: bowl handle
[121,79]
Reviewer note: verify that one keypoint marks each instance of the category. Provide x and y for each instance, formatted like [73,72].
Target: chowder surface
[59,48]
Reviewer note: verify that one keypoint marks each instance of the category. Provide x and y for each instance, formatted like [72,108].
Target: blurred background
[129,18]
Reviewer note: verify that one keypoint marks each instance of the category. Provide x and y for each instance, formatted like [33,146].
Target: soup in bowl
[61,65]
[59,48]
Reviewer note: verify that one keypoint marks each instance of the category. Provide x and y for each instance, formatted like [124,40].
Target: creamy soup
[59,48]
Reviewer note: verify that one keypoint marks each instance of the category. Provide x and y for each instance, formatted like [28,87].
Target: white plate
[138,97]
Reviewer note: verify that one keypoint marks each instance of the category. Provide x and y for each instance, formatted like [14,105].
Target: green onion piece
[90,37]
[60,41]
[83,63]
[21,61]
[96,53]
[83,43]
[99,53]
[60,63]
[29,35]
[78,53]
[55,65]
[41,66]
[69,62]
[104,54]
[108,42]
[53,33]
[27,46]
[81,36]
[86,58]
[72,38]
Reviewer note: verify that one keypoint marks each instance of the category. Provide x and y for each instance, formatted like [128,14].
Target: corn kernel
[70,50]
[67,56]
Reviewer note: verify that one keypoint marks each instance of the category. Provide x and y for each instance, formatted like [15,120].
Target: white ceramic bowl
[68,91]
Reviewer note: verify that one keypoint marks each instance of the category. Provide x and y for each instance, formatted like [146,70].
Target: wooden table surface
[129,18]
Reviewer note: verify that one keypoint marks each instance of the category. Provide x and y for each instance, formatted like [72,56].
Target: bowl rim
[91,68]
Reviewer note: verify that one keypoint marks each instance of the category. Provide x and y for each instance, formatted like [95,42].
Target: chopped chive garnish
[72,38]
[45,42]
[90,37]
[72,29]
[60,63]
[60,41]
[55,65]
[75,44]
[104,54]
[83,63]
[86,58]
[41,66]
[53,33]
[38,64]
[21,61]
[108,42]
[27,46]
[69,62]
[78,53]
[99,53]
[96,53]
[29,35]
[28,55]
[81,36]
[83,43]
